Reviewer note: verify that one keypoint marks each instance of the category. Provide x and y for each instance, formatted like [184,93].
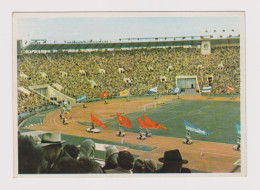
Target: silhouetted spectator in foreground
[138,166]
[88,166]
[149,166]
[87,151]
[52,144]
[172,162]
[125,163]
[30,156]
[72,150]
[67,165]
[111,155]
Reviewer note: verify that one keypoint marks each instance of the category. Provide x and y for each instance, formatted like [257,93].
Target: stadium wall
[51,92]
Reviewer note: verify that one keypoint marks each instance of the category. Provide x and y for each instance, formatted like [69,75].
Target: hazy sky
[113,28]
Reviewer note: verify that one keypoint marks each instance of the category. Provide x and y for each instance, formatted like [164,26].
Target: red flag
[142,123]
[124,121]
[152,123]
[103,95]
[97,122]
[231,88]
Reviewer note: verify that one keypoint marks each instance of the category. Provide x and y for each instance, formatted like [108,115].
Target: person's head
[52,144]
[72,150]
[52,152]
[125,160]
[87,149]
[30,156]
[111,155]
[138,166]
[173,160]
[67,165]
[150,166]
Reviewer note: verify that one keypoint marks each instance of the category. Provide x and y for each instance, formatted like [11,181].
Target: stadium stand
[143,66]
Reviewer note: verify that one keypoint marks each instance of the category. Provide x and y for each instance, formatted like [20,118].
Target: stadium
[187,87]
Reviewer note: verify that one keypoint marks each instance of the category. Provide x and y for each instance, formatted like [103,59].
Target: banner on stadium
[175,90]
[192,128]
[238,128]
[81,98]
[152,90]
[103,95]
[97,122]
[153,124]
[125,93]
[124,121]
[206,89]
[231,88]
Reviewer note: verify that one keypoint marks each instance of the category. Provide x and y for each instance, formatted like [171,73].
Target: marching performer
[188,138]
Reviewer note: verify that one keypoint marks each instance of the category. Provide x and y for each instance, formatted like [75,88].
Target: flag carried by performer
[124,121]
[175,90]
[103,95]
[153,124]
[192,128]
[142,123]
[125,93]
[206,89]
[231,88]
[97,122]
[152,90]
[238,128]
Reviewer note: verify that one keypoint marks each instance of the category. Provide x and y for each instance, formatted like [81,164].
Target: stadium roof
[118,45]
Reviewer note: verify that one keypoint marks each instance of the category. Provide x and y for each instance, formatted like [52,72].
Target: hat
[87,149]
[150,165]
[110,150]
[173,156]
[51,139]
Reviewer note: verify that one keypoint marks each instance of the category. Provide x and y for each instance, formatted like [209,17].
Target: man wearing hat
[52,144]
[172,162]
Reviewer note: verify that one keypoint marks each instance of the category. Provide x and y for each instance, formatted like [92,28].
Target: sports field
[217,118]
[212,153]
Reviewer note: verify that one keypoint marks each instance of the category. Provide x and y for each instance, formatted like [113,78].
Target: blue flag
[206,89]
[238,128]
[192,128]
[81,98]
[152,90]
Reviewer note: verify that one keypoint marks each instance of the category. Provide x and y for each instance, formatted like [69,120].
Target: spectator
[52,144]
[149,166]
[30,156]
[125,163]
[67,165]
[87,151]
[72,150]
[138,166]
[111,155]
[172,162]
[88,166]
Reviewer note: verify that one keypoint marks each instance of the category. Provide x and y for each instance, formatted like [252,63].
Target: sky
[112,28]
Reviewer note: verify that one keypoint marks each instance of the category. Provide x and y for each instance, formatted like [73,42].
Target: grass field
[216,117]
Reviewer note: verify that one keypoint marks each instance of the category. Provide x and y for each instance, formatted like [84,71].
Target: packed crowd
[29,103]
[185,61]
[48,155]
